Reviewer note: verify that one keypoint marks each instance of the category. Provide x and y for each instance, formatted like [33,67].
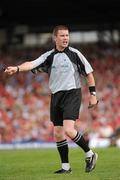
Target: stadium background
[25,28]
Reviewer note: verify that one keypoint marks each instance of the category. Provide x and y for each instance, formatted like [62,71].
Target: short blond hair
[59,27]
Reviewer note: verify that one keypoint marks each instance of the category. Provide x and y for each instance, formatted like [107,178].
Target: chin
[64,46]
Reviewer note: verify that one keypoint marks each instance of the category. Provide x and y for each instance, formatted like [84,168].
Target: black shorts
[65,105]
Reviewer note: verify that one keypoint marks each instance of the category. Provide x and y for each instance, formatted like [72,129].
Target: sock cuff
[66,166]
[77,137]
[62,143]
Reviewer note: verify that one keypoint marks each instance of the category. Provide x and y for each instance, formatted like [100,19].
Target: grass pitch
[39,164]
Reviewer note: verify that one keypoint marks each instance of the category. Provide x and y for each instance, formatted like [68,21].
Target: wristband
[92,90]
[18,69]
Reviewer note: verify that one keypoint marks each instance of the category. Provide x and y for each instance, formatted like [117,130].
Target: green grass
[41,163]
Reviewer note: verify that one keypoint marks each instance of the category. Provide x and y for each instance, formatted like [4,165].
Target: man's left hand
[93,101]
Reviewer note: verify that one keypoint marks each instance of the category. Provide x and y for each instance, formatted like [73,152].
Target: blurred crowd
[25,99]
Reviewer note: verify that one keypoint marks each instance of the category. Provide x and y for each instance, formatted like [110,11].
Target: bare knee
[59,134]
[69,132]
[69,128]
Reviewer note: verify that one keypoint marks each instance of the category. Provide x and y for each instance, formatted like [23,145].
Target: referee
[65,65]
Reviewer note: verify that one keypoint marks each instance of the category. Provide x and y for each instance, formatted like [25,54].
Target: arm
[91,84]
[28,65]
[88,71]
[22,67]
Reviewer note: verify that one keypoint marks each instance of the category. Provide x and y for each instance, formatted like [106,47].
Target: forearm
[92,89]
[25,66]
[90,80]
[91,84]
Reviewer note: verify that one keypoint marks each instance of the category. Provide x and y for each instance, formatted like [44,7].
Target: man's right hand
[11,70]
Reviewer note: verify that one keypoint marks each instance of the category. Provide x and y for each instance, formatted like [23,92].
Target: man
[64,66]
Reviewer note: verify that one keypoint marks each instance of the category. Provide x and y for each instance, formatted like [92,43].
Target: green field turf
[39,164]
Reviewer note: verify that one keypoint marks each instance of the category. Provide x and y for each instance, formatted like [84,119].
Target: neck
[60,48]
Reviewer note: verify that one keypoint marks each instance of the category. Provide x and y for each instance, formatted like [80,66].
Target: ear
[54,38]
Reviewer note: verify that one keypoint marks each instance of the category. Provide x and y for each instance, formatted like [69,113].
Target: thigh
[71,105]
[56,114]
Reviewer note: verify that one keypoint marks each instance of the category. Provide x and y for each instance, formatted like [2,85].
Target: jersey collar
[65,50]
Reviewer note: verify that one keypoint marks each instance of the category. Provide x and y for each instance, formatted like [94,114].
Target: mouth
[65,42]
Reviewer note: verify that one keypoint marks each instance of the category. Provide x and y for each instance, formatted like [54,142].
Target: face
[62,39]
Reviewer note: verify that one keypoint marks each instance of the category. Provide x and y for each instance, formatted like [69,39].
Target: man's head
[61,37]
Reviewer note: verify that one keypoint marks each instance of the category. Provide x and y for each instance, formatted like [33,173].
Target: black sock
[62,147]
[80,141]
